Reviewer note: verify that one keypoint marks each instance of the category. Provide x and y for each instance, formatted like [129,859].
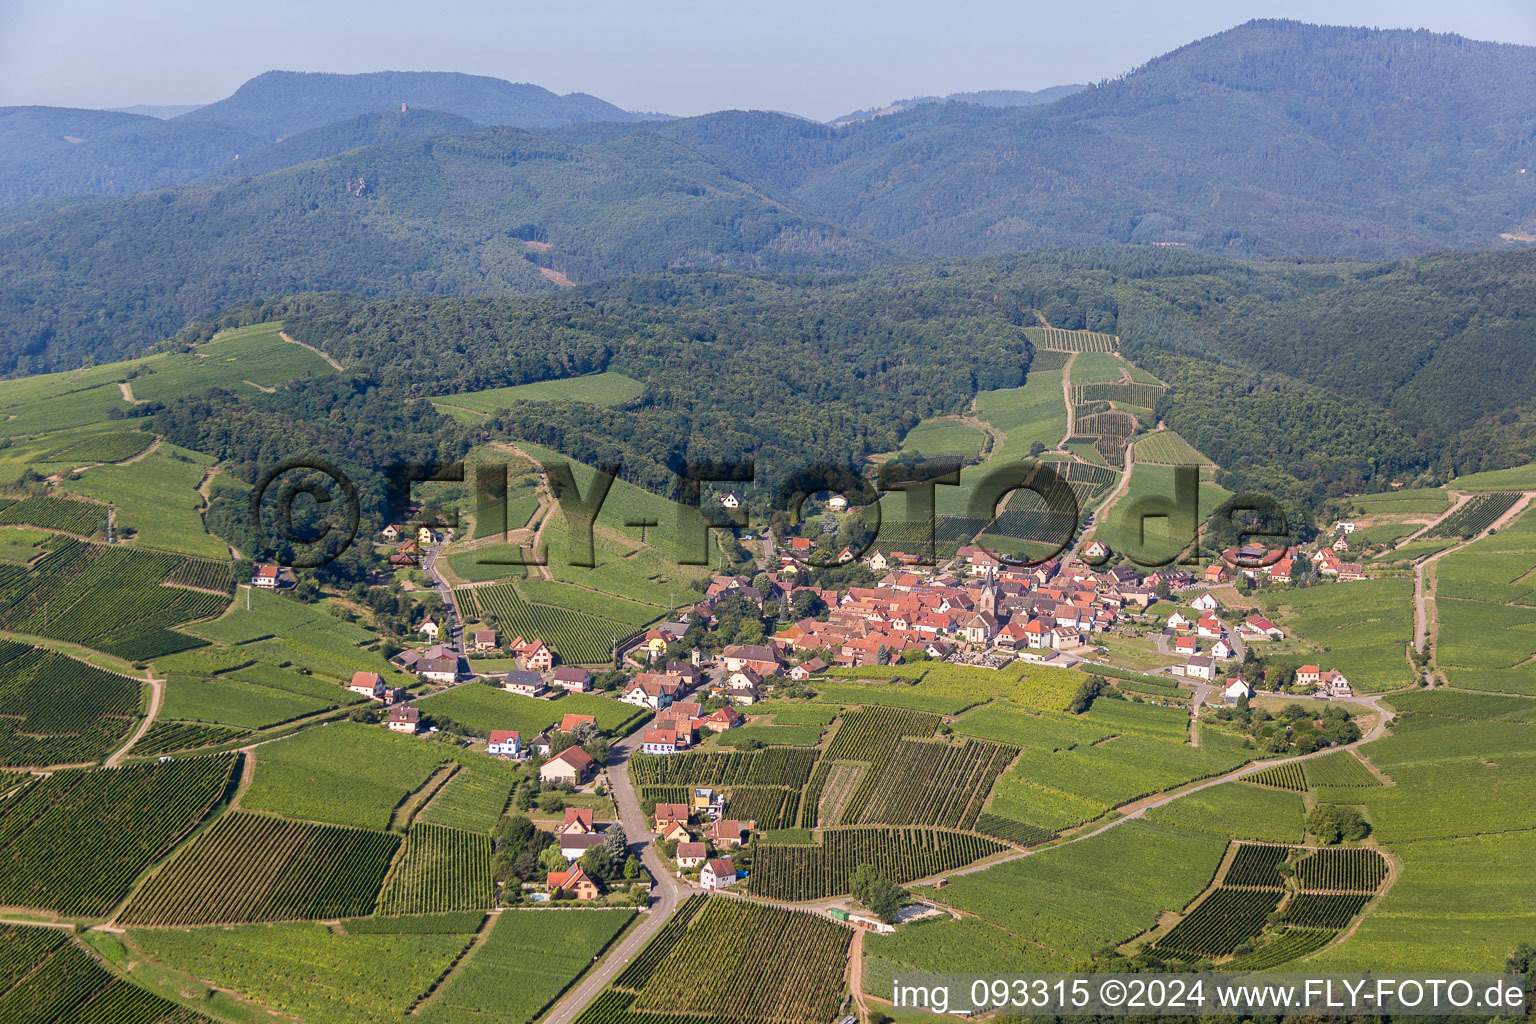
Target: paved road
[455,620]
[1421,623]
[666,894]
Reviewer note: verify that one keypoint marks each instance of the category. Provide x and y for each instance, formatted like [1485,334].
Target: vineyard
[1134,393]
[767,806]
[63,514]
[254,867]
[1221,922]
[1058,339]
[202,574]
[443,869]
[775,766]
[165,737]
[579,638]
[793,872]
[872,733]
[107,598]
[1168,448]
[1048,360]
[45,978]
[1010,831]
[1256,865]
[1479,513]
[473,800]
[1297,942]
[75,842]
[1325,910]
[1280,776]
[729,960]
[1347,870]
[113,447]
[1341,769]
[930,783]
[56,710]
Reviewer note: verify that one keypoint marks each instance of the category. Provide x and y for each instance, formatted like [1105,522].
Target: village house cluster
[703,836]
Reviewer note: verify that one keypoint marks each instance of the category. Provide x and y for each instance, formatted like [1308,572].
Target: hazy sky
[678,56]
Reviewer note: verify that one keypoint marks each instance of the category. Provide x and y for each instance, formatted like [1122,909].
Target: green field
[1168,448]
[1034,412]
[1238,811]
[157,498]
[483,708]
[345,773]
[1121,533]
[230,702]
[944,437]
[594,388]
[1360,628]
[1519,478]
[307,970]
[530,958]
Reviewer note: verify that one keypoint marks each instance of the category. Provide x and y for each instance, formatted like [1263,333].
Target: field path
[1066,398]
[127,390]
[667,891]
[1423,589]
[156,695]
[1461,499]
[1139,808]
[294,341]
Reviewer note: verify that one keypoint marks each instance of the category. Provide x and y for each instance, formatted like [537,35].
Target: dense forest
[1273,139]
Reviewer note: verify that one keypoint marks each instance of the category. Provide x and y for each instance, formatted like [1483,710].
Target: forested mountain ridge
[500,211]
[277,104]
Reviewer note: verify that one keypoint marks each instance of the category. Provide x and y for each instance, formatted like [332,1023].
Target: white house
[1222,649]
[730,499]
[1178,620]
[718,873]
[428,629]
[1200,668]
[404,718]
[1236,690]
[659,741]
[1206,603]
[505,743]
[1096,550]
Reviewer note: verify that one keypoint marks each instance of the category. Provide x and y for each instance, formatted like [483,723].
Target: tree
[552,860]
[882,896]
[598,863]
[616,842]
[632,867]
[1332,824]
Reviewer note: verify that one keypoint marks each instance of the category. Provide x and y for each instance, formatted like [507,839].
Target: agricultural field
[942,688]
[75,842]
[1338,770]
[107,598]
[473,799]
[780,735]
[253,867]
[116,446]
[45,977]
[950,436]
[1281,776]
[1074,900]
[789,872]
[1034,412]
[57,710]
[578,637]
[729,960]
[929,783]
[272,614]
[157,501]
[81,518]
[1444,703]
[1257,866]
[1225,919]
[594,389]
[1325,910]
[1417,502]
[165,737]
[308,971]
[1519,478]
[443,869]
[1239,811]
[1360,628]
[20,546]
[1168,448]
[1060,339]
[1475,516]
[239,359]
[529,960]
[1098,367]
[223,701]
[775,766]
[344,774]
[1341,870]
[482,707]
[1292,945]
[1483,598]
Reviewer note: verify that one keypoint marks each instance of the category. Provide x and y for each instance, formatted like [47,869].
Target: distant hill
[58,151]
[984,98]
[497,212]
[354,133]
[164,112]
[281,103]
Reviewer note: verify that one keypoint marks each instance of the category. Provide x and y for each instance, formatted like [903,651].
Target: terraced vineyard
[1281,776]
[1224,920]
[1058,339]
[254,867]
[46,978]
[1345,870]
[1325,910]
[113,447]
[796,872]
[1479,513]
[723,961]
[110,599]
[443,869]
[776,766]
[75,842]
[579,638]
[66,515]
[57,710]
[1256,865]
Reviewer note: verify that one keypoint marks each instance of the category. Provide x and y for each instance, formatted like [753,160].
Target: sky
[683,57]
